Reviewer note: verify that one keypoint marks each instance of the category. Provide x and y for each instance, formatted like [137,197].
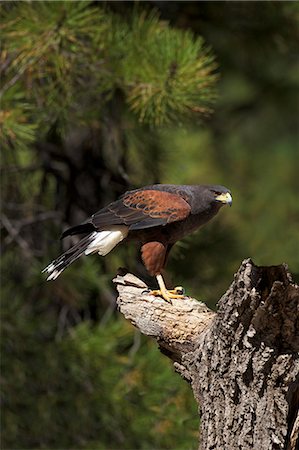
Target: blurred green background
[98,98]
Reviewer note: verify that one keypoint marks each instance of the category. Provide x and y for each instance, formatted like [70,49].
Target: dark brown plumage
[156,216]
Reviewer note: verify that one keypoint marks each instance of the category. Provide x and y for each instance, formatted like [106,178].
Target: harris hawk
[156,216]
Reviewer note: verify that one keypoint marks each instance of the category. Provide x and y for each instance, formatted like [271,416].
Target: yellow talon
[177,292]
[164,295]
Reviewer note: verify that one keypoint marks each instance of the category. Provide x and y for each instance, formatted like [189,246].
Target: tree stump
[242,362]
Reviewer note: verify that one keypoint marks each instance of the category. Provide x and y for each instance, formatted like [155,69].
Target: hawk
[156,216]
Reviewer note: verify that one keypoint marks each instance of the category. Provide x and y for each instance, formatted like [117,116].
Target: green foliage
[62,54]
[16,131]
[100,386]
[175,77]
[50,47]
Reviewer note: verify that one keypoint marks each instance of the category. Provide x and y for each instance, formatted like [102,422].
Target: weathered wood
[176,327]
[242,362]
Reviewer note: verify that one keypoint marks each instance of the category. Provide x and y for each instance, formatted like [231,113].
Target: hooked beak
[225,198]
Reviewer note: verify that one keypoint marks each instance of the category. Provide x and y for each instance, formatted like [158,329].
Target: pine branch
[169,74]
[61,55]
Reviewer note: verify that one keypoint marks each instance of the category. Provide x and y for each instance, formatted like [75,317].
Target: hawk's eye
[217,193]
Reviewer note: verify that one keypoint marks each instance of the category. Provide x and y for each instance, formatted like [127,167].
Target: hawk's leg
[154,256]
[177,292]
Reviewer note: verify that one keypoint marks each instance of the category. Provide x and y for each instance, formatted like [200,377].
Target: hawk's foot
[177,292]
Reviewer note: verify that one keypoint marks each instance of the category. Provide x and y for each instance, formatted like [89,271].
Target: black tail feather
[78,229]
[57,266]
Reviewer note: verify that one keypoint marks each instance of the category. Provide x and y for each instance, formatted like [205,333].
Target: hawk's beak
[225,198]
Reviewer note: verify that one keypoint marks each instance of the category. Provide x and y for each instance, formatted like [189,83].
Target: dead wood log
[242,362]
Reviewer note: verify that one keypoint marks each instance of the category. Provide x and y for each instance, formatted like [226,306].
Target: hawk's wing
[137,209]
[143,209]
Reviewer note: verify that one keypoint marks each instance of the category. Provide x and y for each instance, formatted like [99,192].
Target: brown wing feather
[157,204]
[143,209]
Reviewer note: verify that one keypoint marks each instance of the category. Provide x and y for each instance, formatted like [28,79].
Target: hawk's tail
[56,267]
[101,242]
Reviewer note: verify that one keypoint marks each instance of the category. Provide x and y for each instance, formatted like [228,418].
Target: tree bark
[242,362]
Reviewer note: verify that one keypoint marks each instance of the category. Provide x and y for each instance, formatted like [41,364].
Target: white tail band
[104,241]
